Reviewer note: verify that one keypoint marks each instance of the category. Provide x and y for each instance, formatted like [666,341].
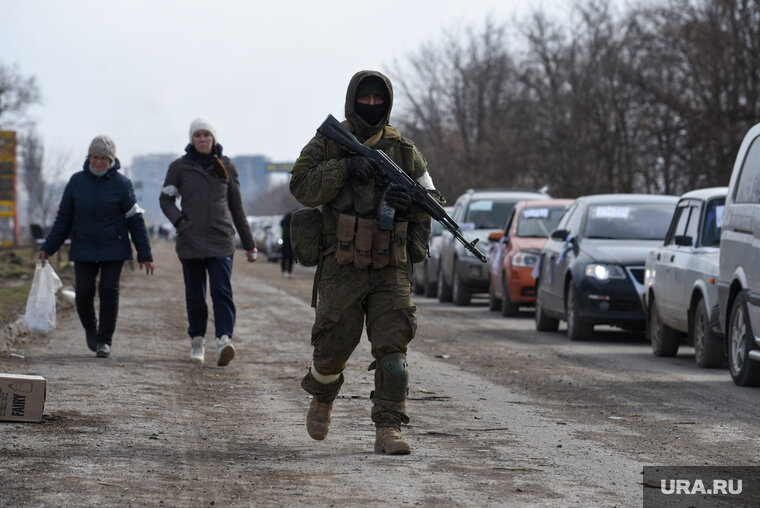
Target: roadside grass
[16,274]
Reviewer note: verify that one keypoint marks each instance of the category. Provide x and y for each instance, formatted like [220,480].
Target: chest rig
[359,239]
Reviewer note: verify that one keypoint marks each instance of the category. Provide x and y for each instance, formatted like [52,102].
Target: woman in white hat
[211,210]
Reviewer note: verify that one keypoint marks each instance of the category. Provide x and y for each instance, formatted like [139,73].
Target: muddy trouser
[347,296]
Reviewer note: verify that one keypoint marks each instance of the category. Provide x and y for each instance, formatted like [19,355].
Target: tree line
[655,99]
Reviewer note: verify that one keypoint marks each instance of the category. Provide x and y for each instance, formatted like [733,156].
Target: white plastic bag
[40,306]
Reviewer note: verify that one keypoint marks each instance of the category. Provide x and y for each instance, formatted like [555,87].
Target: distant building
[147,173]
[256,172]
[252,173]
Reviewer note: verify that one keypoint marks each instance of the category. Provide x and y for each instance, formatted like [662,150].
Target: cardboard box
[22,398]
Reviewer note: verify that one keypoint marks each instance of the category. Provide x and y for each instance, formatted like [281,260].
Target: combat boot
[388,440]
[318,419]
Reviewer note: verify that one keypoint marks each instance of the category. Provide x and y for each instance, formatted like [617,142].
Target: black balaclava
[368,119]
[372,113]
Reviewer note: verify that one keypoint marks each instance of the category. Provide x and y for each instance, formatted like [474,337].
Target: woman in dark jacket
[212,209]
[100,213]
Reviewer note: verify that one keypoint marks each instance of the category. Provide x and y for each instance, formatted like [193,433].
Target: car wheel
[744,371]
[708,348]
[444,290]
[665,340]
[577,329]
[508,309]
[493,302]
[543,322]
[461,293]
[430,288]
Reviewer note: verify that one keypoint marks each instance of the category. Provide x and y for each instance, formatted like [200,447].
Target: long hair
[221,169]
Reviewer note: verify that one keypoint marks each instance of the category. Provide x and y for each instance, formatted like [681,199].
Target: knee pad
[391,378]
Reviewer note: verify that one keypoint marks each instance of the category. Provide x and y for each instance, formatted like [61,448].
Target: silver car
[426,271]
[681,295]
[739,280]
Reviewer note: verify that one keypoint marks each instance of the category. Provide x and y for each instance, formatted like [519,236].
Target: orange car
[515,250]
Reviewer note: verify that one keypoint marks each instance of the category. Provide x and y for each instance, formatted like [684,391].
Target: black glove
[359,168]
[398,197]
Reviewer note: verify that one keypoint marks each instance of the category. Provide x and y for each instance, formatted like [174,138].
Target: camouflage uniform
[347,296]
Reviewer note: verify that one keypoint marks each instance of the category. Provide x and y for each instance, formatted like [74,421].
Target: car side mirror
[496,236]
[684,241]
[560,234]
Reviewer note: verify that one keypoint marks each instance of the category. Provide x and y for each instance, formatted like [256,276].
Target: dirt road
[501,415]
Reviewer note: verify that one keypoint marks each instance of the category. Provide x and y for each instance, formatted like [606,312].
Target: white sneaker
[225,351]
[197,351]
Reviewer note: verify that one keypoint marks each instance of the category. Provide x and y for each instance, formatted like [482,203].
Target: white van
[739,279]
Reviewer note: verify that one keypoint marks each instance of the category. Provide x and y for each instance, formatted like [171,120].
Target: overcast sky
[266,72]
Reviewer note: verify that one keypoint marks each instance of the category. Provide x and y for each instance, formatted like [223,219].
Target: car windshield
[539,222]
[488,214]
[639,221]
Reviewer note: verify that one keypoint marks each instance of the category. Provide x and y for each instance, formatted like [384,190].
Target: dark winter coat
[99,214]
[212,208]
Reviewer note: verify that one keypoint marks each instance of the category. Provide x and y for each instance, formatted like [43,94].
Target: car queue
[681,270]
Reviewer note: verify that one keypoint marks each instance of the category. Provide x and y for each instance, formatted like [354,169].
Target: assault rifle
[334,130]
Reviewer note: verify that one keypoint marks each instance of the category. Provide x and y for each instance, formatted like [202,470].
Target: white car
[739,280]
[681,294]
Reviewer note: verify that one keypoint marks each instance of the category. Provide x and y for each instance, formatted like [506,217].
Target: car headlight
[604,272]
[648,277]
[525,259]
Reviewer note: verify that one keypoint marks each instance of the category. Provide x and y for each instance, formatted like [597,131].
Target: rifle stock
[332,129]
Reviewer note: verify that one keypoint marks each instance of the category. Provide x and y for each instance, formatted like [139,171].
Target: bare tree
[550,139]
[17,93]
[697,65]
[42,181]
[460,95]
[60,163]
[31,152]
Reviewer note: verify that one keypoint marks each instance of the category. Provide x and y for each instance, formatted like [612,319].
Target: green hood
[362,128]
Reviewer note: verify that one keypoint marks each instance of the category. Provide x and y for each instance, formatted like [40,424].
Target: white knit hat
[202,124]
[103,145]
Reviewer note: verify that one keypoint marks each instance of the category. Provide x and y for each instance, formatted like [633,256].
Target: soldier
[364,272]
